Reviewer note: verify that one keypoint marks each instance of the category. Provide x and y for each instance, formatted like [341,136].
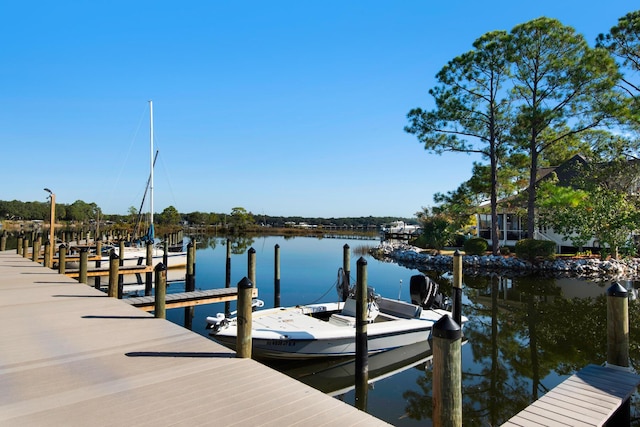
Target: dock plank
[189,299]
[587,398]
[73,356]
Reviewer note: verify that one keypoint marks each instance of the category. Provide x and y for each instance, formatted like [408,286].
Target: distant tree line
[78,211]
[240,218]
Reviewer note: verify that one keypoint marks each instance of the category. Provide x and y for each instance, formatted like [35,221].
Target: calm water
[524,335]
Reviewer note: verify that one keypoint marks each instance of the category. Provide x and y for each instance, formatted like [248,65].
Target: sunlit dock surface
[70,355]
[587,398]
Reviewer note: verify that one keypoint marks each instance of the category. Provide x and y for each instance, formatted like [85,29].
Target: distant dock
[73,356]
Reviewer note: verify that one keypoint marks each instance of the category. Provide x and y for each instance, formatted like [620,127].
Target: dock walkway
[188,299]
[587,398]
[72,356]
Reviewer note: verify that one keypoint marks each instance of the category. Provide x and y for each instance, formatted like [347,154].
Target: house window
[514,227]
[484,224]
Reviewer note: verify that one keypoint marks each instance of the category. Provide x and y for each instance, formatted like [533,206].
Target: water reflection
[337,376]
[525,334]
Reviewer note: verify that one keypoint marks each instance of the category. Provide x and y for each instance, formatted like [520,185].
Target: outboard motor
[423,291]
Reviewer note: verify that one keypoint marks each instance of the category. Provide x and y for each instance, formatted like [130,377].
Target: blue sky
[292,108]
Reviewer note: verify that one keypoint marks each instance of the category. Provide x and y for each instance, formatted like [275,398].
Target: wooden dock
[72,356]
[587,398]
[189,299]
[93,272]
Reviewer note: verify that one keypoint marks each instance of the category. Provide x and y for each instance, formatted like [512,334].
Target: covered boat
[328,329]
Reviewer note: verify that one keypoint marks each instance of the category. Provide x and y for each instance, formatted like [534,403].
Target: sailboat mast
[151,161]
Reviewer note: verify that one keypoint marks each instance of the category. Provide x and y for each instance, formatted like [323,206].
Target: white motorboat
[400,227]
[328,329]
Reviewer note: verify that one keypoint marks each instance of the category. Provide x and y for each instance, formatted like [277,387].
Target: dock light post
[52,243]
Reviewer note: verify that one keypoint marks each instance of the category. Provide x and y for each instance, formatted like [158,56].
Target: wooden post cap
[617,290]
[447,328]
[245,283]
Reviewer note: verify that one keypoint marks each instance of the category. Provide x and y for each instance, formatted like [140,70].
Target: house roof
[565,173]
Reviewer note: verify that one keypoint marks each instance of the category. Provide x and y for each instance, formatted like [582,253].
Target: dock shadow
[118,317]
[191,354]
[79,296]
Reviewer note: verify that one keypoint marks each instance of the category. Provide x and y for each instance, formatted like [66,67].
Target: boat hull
[320,331]
[323,348]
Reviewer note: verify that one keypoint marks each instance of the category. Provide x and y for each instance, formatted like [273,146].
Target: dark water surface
[524,336]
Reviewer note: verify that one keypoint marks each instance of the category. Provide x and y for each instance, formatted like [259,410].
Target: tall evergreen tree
[561,87]
[623,41]
[472,109]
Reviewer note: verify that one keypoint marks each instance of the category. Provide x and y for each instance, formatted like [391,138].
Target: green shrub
[505,250]
[531,249]
[475,246]
[458,240]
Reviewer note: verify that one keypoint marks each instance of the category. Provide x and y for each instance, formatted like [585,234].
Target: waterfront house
[512,214]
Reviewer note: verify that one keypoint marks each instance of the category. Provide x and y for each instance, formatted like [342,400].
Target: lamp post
[52,243]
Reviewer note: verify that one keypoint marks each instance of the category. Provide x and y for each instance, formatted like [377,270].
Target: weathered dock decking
[93,272]
[72,356]
[587,398]
[188,299]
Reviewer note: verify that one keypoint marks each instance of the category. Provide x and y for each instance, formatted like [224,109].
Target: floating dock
[72,356]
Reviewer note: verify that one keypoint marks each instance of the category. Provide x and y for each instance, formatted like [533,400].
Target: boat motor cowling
[423,291]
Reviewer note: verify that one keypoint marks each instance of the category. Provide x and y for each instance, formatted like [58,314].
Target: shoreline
[594,269]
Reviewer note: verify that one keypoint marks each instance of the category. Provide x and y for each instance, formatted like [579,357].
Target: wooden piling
[161,291]
[114,265]
[617,326]
[148,279]
[35,252]
[447,373]
[618,342]
[84,258]
[456,311]
[227,279]
[165,252]
[62,259]
[47,251]
[121,252]
[251,265]
[362,347]
[25,248]
[96,280]
[19,243]
[190,282]
[190,274]
[3,241]
[244,319]
[276,276]
[121,264]
[346,269]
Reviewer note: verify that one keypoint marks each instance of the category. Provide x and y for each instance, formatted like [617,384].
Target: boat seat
[399,308]
[340,320]
[349,310]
